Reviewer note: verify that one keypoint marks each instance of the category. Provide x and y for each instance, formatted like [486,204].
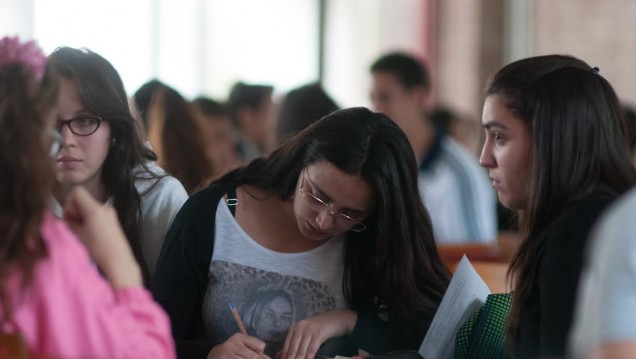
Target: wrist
[124,274]
[351,318]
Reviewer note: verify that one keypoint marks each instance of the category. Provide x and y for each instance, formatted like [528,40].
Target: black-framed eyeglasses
[320,206]
[80,126]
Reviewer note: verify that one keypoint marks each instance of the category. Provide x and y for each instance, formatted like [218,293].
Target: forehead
[69,91]
[350,191]
[70,101]
[386,80]
[495,111]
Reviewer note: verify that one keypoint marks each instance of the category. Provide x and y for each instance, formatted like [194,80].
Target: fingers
[252,343]
[78,205]
[302,341]
[239,346]
[98,228]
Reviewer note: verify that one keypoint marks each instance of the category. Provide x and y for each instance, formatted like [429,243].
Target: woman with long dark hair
[177,136]
[557,154]
[332,217]
[102,151]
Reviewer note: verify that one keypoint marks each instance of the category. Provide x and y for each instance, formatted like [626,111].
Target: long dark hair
[26,171]
[394,263]
[578,129]
[176,134]
[102,92]
[301,107]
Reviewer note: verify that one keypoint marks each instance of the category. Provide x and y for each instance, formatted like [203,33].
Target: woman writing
[331,217]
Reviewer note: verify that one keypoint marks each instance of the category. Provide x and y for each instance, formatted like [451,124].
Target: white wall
[359,31]
[204,46]
[268,42]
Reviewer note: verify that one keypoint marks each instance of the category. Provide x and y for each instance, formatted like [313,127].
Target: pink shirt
[70,311]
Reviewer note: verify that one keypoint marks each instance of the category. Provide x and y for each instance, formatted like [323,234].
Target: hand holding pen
[239,345]
[237,317]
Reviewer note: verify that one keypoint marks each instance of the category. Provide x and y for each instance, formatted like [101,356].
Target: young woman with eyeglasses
[102,151]
[333,218]
[52,298]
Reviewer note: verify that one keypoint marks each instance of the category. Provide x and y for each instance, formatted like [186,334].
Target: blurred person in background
[604,324]
[178,137]
[630,116]
[461,128]
[251,111]
[142,99]
[221,141]
[454,188]
[300,108]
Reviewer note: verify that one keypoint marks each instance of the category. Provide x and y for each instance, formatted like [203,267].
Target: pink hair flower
[13,51]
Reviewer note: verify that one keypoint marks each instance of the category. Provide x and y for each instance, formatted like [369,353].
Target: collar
[433,153]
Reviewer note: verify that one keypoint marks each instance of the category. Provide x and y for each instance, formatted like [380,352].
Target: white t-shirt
[160,203]
[270,289]
[458,195]
[606,308]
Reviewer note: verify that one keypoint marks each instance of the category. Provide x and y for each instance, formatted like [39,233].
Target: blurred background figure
[251,111]
[178,137]
[464,130]
[453,186]
[221,142]
[604,324]
[300,108]
[142,99]
[630,117]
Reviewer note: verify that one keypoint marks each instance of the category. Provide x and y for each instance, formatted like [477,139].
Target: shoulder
[616,227]
[570,230]
[456,155]
[621,214]
[211,192]
[152,179]
[56,233]
[203,202]
[581,214]
[149,170]
[165,186]
[61,243]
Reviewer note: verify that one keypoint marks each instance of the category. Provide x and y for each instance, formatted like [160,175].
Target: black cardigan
[181,280]
[546,317]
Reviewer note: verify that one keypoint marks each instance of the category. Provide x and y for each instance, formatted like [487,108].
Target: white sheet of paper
[466,293]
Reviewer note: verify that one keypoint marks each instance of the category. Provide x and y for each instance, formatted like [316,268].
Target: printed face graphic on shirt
[267,302]
[268,314]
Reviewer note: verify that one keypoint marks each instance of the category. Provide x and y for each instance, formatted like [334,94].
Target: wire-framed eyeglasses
[321,206]
[80,126]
